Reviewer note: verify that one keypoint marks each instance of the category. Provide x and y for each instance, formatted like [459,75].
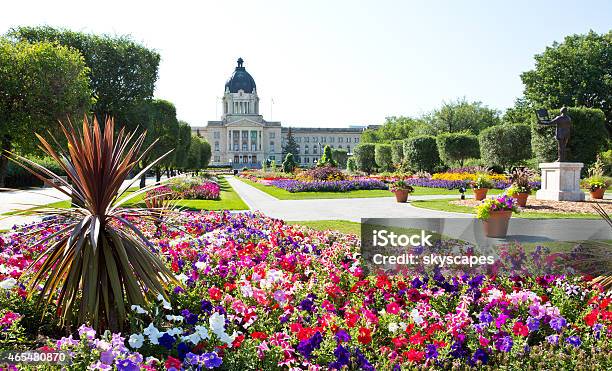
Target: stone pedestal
[561,181]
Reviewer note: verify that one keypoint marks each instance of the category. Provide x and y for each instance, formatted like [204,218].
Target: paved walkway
[352,209]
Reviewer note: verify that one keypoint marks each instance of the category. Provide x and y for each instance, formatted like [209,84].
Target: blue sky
[332,63]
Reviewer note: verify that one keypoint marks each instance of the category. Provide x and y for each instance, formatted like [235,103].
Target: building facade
[242,138]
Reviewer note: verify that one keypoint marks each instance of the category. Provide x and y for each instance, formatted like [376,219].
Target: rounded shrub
[397,152]
[457,147]
[421,153]
[588,137]
[289,163]
[18,177]
[365,157]
[340,156]
[327,158]
[382,155]
[505,145]
[351,166]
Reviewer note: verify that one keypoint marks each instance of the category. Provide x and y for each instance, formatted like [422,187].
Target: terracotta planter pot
[598,193]
[401,195]
[480,193]
[497,224]
[521,199]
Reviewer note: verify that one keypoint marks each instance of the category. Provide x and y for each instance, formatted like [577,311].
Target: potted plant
[495,213]
[521,185]
[481,186]
[596,182]
[401,189]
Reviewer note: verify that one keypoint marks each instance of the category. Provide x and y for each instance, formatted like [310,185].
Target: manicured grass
[343,226]
[228,200]
[282,194]
[445,205]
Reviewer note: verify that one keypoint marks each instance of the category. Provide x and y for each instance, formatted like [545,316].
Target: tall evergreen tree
[291,146]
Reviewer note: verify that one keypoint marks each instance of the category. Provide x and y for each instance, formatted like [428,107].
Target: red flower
[414,355]
[417,339]
[520,329]
[351,319]
[238,341]
[172,362]
[591,318]
[365,335]
[214,293]
[393,308]
[399,341]
[382,282]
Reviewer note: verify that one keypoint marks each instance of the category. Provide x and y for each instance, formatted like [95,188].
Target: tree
[194,156]
[289,163]
[397,152]
[576,72]
[205,154]
[421,153]
[394,128]
[340,156]
[457,147]
[461,115]
[382,155]
[327,158]
[162,125]
[183,144]
[40,83]
[364,157]
[122,72]
[291,145]
[505,145]
[523,112]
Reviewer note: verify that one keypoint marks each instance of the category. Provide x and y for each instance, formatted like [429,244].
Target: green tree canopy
[183,144]
[576,72]
[291,145]
[461,116]
[122,72]
[40,83]
[394,128]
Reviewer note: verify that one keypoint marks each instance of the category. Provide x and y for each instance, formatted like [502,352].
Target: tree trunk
[143,181]
[5,147]
[157,174]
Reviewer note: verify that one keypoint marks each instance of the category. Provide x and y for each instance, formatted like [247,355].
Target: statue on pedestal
[563,125]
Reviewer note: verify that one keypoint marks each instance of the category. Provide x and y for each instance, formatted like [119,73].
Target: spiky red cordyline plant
[98,257]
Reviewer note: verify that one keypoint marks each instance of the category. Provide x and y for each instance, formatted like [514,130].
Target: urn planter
[497,223]
[521,199]
[401,195]
[598,193]
[480,193]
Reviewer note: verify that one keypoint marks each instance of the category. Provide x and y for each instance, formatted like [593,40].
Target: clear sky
[331,63]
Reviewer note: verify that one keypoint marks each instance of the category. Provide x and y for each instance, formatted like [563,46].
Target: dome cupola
[240,80]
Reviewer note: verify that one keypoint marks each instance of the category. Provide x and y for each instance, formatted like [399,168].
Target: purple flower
[206,306]
[342,335]
[431,351]
[364,364]
[127,365]
[574,340]
[553,339]
[342,357]
[485,317]
[167,341]
[307,346]
[480,355]
[533,323]
[504,344]
[211,360]
[500,320]
[558,323]
[107,357]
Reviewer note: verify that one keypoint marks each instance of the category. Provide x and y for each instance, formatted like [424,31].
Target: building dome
[240,80]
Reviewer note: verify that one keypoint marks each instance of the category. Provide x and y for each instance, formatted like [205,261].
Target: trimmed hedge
[382,155]
[421,153]
[289,163]
[588,137]
[351,166]
[457,147]
[505,145]
[365,157]
[18,177]
[340,156]
[397,152]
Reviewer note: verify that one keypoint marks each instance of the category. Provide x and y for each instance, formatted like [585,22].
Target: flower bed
[259,294]
[466,176]
[188,189]
[456,184]
[329,186]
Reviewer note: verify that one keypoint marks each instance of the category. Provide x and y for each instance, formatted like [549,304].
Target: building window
[272,135]
[307,160]
[298,139]
[216,146]
[314,149]
[217,135]
[298,149]
[314,139]
[348,149]
[306,151]
[332,139]
[356,140]
[272,158]
[323,139]
[217,159]
[306,139]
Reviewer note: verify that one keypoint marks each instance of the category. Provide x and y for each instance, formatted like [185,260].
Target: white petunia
[138,309]
[200,265]
[416,317]
[8,283]
[136,341]
[202,332]
[174,318]
[393,327]
[153,333]
[175,331]
[182,277]
[217,322]
[3,269]
[193,338]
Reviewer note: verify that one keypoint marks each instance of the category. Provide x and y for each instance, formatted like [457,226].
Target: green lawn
[228,200]
[445,205]
[282,194]
[343,226]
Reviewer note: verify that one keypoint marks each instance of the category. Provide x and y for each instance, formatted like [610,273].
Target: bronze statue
[563,125]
